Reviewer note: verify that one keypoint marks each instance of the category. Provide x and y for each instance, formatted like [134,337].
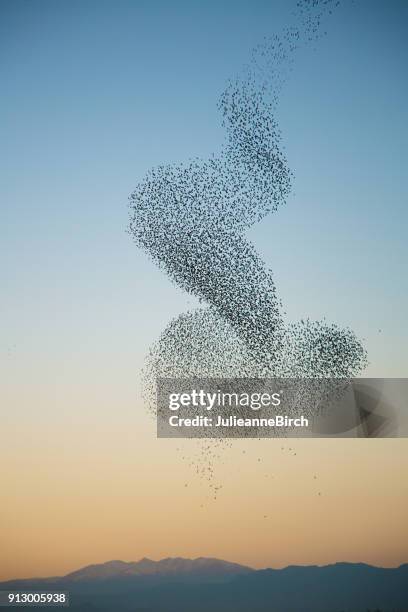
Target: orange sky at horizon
[110,490]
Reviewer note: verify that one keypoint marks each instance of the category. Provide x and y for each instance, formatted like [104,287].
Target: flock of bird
[191,219]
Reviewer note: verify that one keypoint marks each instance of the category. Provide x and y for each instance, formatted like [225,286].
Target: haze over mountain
[171,566]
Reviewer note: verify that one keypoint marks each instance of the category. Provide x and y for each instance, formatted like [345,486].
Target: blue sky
[94,93]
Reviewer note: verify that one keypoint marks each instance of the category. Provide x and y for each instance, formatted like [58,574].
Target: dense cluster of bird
[191,219]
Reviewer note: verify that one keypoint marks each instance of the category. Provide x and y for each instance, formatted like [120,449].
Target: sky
[94,93]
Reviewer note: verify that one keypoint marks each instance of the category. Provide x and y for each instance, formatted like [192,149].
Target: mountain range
[202,584]
[172,566]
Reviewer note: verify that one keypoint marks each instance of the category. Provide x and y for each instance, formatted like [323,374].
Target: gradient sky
[93,94]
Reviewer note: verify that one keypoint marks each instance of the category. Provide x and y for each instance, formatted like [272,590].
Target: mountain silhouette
[183,585]
[171,566]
